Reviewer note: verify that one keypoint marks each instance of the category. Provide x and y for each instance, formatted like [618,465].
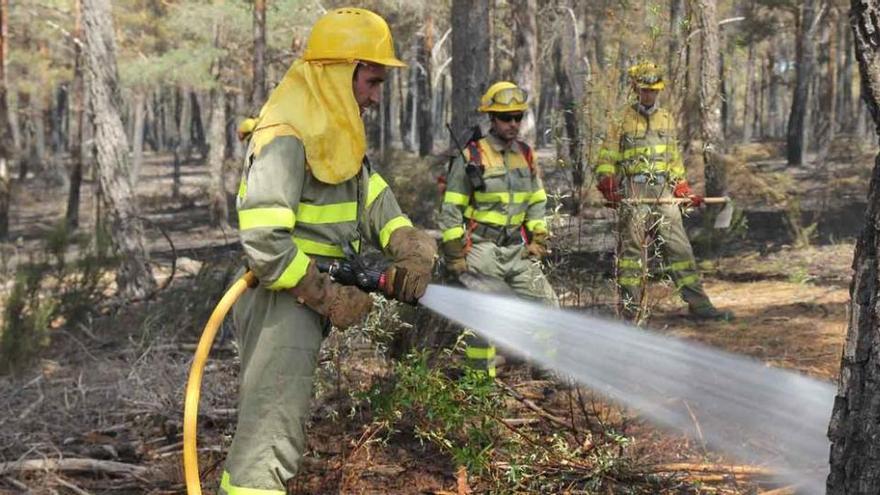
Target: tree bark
[846,75]
[217,193]
[184,126]
[571,77]
[258,95]
[471,65]
[525,59]
[137,152]
[78,97]
[6,144]
[710,100]
[134,278]
[749,100]
[424,47]
[806,58]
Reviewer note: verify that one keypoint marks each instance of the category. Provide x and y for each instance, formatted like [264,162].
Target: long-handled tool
[722,221]
[346,272]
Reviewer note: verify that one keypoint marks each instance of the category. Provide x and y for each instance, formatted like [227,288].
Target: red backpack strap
[529,154]
[474,150]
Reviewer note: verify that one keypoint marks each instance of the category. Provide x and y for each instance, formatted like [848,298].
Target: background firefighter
[492,215]
[640,158]
[307,192]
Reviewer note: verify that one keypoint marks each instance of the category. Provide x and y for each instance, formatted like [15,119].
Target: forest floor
[108,382]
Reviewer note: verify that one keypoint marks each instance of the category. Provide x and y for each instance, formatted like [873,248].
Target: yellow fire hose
[194,385]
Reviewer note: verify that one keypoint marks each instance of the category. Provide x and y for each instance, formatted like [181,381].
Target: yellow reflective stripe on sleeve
[606,169]
[453,233]
[629,281]
[608,155]
[456,198]
[680,265]
[375,187]
[501,197]
[686,281]
[494,217]
[321,249]
[242,188]
[254,218]
[625,263]
[389,228]
[479,352]
[293,273]
[645,150]
[646,168]
[332,213]
[230,489]
[538,196]
[536,226]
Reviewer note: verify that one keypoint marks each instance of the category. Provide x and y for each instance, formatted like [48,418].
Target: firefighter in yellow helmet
[640,159]
[492,213]
[308,193]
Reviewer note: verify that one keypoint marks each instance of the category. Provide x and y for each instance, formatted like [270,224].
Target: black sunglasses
[507,117]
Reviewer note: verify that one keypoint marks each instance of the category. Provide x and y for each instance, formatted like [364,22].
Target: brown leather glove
[413,253]
[343,305]
[537,248]
[455,256]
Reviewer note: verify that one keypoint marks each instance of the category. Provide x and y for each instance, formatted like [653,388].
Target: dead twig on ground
[74,465]
[536,408]
[74,488]
[713,468]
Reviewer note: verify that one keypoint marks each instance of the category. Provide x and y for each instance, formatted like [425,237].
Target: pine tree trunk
[424,46]
[217,193]
[570,78]
[846,79]
[134,277]
[749,100]
[710,104]
[78,122]
[258,95]
[6,144]
[184,126]
[137,152]
[525,66]
[472,60]
[806,59]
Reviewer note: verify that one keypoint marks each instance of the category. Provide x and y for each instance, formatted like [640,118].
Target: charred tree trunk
[258,95]
[472,61]
[425,44]
[710,100]
[526,58]
[806,59]
[855,445]
[78,97]
[134,278]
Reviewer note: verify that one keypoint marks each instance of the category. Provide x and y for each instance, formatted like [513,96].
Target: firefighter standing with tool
[640,159]
[308,194]
[492,214]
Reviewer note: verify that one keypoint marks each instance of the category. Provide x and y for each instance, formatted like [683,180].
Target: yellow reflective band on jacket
[242,188]
[374,188]
[453,233]
[625,263]
[479,352]
[332,213]
[680,265]
[254,218]
[494,217]
[606,169]
[689,280]
[293,273]
[456,198]
[645,167]
[536,226]
[502,197]
[630,281]
[538,196]
[657,149]
[230,489]
[322,249]
[389,228]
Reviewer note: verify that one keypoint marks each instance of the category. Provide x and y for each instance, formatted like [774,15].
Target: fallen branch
[536,408]
[82,465]
[712,468]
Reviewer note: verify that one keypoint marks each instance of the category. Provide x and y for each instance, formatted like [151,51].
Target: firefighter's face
[648,97]
[367,85]
[506,125]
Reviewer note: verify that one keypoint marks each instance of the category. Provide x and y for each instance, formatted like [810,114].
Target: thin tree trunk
[137,155]
[134,277]
[78,103]
[525,59]
[846,78]
[6,144]
[749,101]
[472,61]
[184,129]
[425,45]
[566,57]
[258,95]
[806,57]
[217,193]
[710,100]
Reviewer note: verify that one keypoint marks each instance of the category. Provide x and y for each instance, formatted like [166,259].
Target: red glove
[608,187]
[683,190]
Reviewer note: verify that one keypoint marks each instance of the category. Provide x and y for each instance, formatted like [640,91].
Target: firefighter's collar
[646,110]
[497,143]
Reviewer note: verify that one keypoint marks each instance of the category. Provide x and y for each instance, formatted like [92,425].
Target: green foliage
[25,320]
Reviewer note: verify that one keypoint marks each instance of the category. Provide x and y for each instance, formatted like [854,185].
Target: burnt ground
[108,385]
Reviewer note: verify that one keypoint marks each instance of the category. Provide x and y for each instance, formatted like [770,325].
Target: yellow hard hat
[647,75]
[504,96]
[352,34]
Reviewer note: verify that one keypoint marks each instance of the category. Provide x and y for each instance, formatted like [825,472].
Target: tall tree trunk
[78,103]
[184,126]
[806,58]
[425,45]
[470,52]
[526,57]
[846,80]
[134,277]
[217,192]
[6,144]
[855,444]
[137,152]
[749,100]
[676,19]
[571,77]
[258,95]
[710,100]
[774,99]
